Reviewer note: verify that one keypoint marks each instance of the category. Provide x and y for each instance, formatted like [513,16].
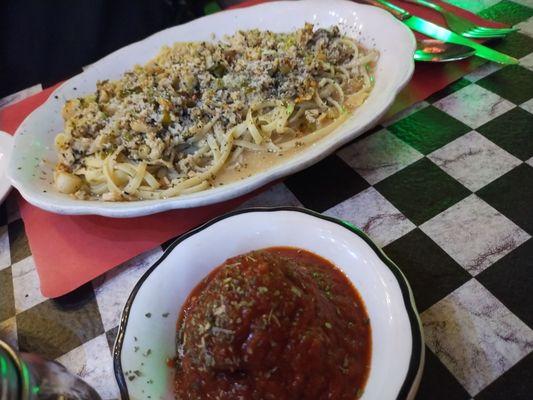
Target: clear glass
[26,376]
[51,380]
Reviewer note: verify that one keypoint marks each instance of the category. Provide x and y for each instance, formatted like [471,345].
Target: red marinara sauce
[280,323]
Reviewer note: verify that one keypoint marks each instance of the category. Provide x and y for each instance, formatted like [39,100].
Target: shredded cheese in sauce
[200,111]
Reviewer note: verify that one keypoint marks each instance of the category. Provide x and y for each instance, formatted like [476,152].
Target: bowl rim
[416,361]
[6,141]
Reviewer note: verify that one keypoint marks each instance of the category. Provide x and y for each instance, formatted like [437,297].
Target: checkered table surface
[446,189]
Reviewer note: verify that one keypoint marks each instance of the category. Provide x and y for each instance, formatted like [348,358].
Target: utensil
[438,32]
[397,343]
[6,145]
[463,26]
[438,51]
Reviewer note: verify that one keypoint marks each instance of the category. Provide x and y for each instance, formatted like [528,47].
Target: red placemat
[72,250]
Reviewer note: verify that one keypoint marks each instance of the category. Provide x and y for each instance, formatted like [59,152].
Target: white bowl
[6,146]
[34,157]
[397,344]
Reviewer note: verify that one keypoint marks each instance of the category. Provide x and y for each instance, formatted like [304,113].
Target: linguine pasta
[172,126]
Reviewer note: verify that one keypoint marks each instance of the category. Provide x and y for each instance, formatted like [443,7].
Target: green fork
[462,26]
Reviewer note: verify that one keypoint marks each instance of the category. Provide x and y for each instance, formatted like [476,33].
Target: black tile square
[7,300]
[454,87]
[326,184]
[111,335]
[510,279]
[512,131]
[431,272]
[18,241]
[51,329]
[512,195]
[428,129]
[507,12]
[421,190]
[515,44]
[514,83]
[515,384]
[76,298]
[438,383]
[3,214]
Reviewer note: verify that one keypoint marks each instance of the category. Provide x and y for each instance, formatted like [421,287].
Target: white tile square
[375,215]
[474,234]
[483,71]
[379,155]
[527,3]
[277,195]
[475,336]
[112,289]
[8,332]
[26,285]
[474,105]
[5,253]
[405,113]
[530,162]
[527,61]
[474,160]
[93,363]
[526,27]
[528,105]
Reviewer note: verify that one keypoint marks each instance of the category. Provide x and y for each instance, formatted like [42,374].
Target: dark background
[45,41]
